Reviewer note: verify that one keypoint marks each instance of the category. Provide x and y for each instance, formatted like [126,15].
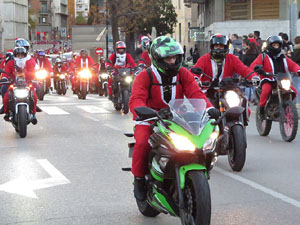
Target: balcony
[188,3]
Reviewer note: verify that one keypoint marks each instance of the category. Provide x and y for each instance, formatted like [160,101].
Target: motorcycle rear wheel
[197,198]
[237,155]
[22,121]
[289,121]
[263,126]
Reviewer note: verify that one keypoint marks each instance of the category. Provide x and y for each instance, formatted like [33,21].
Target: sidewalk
[298,107]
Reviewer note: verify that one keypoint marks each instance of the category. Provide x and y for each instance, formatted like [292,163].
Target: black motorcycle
[121,87]
[42,76]
[60,83]
[279,108]
[83,83]
[226,95]
[103,84]
[21,104]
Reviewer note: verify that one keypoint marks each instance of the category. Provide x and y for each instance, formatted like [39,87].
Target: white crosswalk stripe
[92,109]
[53,110]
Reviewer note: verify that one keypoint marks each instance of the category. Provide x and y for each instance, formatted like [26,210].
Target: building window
[241,9]
[44,8]
[179,33]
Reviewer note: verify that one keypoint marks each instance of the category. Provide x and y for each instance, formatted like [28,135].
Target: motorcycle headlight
[128,79]
[210,142]
[21,93]
[62,76]
[286,84]
[232,98]
[104,75]
[182,143]
[85,74]
[41,74]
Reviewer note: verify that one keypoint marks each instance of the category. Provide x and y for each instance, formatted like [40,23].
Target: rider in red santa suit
[21,42]
[120,59]
[274,62]
[170,81]
[146,61]
[19,64]
[43,63]
[83,61]
[219,64]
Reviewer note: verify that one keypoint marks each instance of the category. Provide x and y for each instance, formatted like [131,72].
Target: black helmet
[274,39]
[219,54]
[163,47]
[20,50]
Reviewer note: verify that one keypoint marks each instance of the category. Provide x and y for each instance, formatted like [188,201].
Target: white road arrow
[26,188]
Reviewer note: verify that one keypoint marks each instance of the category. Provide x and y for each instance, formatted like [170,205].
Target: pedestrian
[184,51]
[296,58]
[191,52]
[247,58]
[287,46]
[236,44]
[258,39]
[251,38]
[196,55]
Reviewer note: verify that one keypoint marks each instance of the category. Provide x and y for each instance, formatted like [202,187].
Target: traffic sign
[99,51]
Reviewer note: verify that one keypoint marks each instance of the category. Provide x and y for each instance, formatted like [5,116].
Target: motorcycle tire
[101,92]
[237,154]
[41,94]
[288,121]
[83,92]
[263,126]
[125,97]
[105,90]
[59,91]
[64,89]
[22,121]
[198,201]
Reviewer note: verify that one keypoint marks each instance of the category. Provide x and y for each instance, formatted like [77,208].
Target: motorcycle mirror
[235,111]
[145,112]
[196,70]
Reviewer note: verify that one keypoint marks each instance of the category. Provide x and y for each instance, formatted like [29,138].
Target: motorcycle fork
[180,193]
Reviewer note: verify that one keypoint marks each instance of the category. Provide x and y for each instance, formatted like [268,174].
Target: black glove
[214,113]
[259,69]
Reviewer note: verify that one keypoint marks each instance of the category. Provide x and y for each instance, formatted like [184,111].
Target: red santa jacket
[11,71]
[62,69]
[45,63]
[186,86]
[88,62]
[145,56]
[129,61]
[231,66]
[289,65]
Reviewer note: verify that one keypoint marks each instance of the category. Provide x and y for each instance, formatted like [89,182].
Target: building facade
[241,17]
[14,17]
[82,7]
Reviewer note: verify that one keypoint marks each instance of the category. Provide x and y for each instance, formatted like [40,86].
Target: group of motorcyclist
[162,79]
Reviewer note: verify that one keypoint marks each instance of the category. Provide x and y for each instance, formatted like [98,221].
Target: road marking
[259,187]
[92,118]
[112,127]
[24,187]
[53,110]
[92,109]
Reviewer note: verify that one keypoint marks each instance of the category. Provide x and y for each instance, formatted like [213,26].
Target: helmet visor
[168,51]
[219,40]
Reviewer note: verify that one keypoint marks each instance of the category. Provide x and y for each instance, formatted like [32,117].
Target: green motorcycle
[183,153]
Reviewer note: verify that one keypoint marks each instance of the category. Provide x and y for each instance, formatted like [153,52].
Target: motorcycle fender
[21,103]
[186,168]
[235,112]
[105,82]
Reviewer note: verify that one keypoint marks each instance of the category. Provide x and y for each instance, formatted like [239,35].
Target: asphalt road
[67,171]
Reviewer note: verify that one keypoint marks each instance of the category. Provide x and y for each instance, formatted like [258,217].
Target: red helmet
[120,44]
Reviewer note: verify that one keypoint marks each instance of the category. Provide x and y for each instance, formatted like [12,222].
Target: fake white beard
[20,62]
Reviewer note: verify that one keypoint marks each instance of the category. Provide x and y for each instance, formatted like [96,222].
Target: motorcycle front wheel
[197,199]
[125,101]
[83,91]
[288,121]
[22,121]
[263,126]
[41,94]
[237,153]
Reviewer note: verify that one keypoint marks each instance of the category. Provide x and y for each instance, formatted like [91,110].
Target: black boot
[6,117]
[38,109]
[262,112]
[139,188]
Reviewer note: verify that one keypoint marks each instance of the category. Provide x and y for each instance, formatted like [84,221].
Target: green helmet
[163,47]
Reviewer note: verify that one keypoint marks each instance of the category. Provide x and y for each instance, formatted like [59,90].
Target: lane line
[92,109]
[259,187]
[53,110]
[92,118]
[112,127]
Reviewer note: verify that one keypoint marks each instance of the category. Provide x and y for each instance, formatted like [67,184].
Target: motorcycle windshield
[124,71]
[281,76]
[189,114]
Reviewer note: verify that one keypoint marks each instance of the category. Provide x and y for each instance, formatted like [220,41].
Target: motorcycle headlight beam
[104,75]
[128,79]
[85,74]
[41,74]
[232,98]
[21,93]
[210,142]
[62,76]
[181,142]
[286,84]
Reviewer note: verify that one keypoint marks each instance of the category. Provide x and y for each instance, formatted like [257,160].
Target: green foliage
[32,18]
[80,20]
